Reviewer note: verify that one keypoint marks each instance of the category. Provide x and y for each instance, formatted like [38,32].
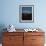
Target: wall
[9,13]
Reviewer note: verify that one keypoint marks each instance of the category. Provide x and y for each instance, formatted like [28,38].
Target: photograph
[26,13]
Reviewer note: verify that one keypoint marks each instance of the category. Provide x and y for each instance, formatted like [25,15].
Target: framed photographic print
[26,13]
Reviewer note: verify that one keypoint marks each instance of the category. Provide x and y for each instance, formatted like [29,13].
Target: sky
[27,9]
